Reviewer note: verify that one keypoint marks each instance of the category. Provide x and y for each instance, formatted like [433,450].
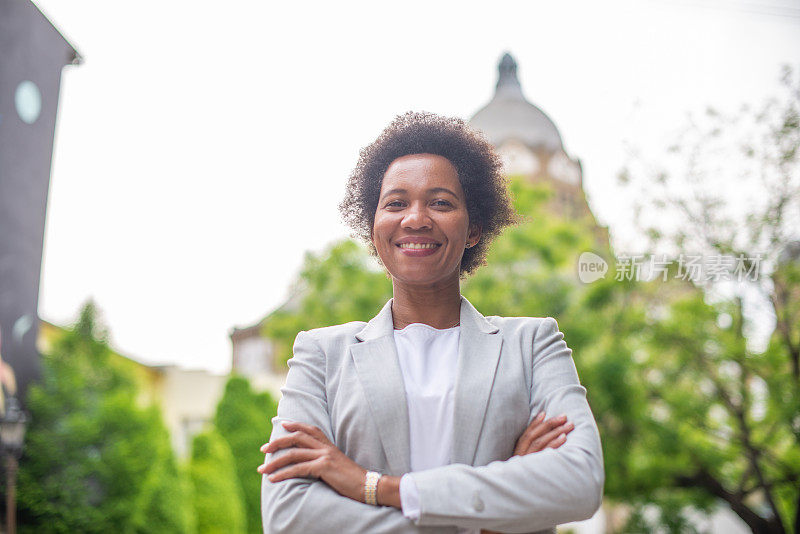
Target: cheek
[377,233]
[458,227]
[379,236]
[383,226]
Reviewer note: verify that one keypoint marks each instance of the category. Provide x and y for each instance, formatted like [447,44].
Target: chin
[419,276]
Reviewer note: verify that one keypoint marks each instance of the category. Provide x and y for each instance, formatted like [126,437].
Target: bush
[218,504]
[244,419]
[94,460]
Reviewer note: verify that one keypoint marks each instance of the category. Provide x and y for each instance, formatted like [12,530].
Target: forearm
[297,505]
[524,493]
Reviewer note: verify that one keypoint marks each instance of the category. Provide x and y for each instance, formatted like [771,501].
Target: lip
[419,252]
[416,239]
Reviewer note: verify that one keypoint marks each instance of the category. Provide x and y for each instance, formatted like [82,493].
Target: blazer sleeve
[310,505]
[535,491]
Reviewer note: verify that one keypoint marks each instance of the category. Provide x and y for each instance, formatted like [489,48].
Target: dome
[509,116]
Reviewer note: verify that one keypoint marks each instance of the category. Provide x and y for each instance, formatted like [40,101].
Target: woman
[430,417]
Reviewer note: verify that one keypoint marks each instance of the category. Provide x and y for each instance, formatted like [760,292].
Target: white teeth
[418,246]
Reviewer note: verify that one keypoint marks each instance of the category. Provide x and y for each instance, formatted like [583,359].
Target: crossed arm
[535,491]
[527,492]
[306,503]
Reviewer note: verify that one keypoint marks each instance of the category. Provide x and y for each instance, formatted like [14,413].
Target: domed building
[530,146]
[510,118]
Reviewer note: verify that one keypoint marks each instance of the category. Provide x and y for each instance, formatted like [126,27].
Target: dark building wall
[32,54]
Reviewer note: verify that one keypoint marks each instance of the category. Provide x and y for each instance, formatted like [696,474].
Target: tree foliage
[723,384]
[340,284]
[217,495]
[244,420]
[94,460]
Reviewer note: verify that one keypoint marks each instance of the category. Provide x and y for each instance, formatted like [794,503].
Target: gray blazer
[346,379]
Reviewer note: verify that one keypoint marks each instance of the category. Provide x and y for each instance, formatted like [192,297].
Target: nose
[416,218]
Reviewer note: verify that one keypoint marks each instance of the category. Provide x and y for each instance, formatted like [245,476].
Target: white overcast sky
[202,147]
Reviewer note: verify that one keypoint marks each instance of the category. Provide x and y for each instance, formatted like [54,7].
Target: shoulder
[537,338]
[327,337]
[522,326]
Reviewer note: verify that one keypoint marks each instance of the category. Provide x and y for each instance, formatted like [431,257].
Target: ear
[474,234]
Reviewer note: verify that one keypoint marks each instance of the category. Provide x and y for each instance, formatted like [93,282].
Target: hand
[314,456]
[541,434]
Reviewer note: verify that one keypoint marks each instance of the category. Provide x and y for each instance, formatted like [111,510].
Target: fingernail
[562,436]
[539,417]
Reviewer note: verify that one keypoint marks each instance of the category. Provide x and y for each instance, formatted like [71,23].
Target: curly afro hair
[478,166]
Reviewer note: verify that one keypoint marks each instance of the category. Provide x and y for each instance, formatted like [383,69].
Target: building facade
[530,146]
[33,55]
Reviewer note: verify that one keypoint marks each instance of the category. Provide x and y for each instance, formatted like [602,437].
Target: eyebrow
[431,190]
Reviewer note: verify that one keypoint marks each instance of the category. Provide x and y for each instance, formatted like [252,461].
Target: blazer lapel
[380,375]
[379,372]
[478,354]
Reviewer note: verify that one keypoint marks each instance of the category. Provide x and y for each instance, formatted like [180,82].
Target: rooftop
[510,116]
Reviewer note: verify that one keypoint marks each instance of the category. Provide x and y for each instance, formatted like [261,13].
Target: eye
[393,205]
[441,202]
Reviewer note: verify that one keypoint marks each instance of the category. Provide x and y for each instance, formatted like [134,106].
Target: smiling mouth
[418,246]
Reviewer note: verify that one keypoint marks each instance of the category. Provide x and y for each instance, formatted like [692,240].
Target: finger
[537,429]
[541,442]
[311,430]
[292,457]
[523,442]
[301,470]
[295,439]
[559,441]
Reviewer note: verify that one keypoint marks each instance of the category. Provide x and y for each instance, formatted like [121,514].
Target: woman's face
[421,222]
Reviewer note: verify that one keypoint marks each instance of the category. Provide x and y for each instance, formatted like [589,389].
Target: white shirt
[429,362]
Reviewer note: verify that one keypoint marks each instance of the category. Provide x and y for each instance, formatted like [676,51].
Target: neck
[439,307]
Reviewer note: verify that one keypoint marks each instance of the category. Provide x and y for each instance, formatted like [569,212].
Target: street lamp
[12,436]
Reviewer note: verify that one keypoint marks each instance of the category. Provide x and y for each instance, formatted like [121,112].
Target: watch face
[28,101]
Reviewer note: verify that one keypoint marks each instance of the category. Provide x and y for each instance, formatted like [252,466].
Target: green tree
[531,271]
[244,420]
[723,392]
[218,500]
[94,460]
[340,284]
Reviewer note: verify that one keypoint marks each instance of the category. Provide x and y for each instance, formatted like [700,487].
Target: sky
[202,147]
